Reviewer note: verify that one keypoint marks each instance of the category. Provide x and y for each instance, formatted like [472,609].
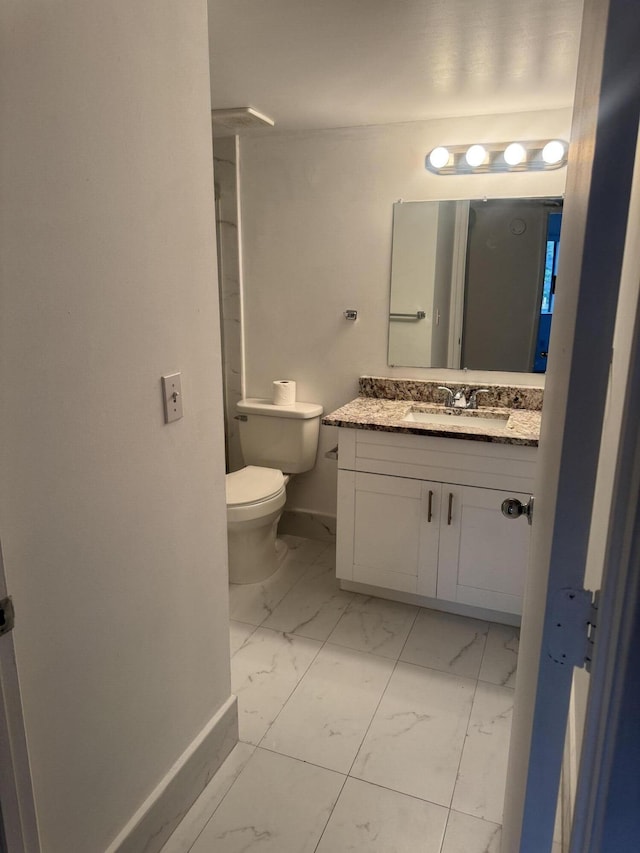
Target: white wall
[112,524]
[317,215]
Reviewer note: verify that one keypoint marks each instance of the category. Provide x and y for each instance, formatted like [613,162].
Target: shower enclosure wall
[229,288]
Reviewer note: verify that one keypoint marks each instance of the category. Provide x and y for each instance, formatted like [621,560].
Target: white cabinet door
[483,555]
[394,538]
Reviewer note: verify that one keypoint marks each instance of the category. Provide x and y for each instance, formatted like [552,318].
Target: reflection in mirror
[473,282]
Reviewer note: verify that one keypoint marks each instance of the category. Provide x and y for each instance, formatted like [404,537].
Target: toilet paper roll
[284,392]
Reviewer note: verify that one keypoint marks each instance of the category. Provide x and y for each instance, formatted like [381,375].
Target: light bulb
[515,154]
[475,156]
[553,152]
[439,157]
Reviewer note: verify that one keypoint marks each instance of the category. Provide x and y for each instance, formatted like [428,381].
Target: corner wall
[227,229]
[316,235]
[113,525]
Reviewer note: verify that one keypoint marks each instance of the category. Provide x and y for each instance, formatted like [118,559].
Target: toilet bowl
[274,439]
[255,498]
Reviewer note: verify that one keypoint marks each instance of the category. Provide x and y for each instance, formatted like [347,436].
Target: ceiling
[337,63]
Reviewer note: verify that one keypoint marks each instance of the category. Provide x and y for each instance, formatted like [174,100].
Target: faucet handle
[473,399]
[449,393]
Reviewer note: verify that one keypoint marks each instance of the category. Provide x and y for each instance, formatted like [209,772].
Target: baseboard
[432,603]
[310,525]
[156,819]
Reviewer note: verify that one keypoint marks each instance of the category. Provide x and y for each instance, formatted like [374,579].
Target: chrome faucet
[449,399]
[463,398]
[473,399]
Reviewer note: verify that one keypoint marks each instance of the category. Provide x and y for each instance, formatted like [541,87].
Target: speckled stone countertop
[386,415]
[424,391]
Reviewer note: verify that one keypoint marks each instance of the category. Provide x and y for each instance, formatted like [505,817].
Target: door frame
[599,179]
[608,789]
[16,790]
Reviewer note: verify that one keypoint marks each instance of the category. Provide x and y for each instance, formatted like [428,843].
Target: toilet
[276,442]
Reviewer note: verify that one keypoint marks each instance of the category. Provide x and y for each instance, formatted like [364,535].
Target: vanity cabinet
[422,515]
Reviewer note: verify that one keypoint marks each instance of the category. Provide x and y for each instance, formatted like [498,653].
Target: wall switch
[172,397]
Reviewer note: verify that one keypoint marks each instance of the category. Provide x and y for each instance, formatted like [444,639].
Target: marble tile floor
[365,725]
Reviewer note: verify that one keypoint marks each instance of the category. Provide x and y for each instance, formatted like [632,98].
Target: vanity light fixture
[476,156]
[553,152]
[439,157]
[537,155]
[515,154]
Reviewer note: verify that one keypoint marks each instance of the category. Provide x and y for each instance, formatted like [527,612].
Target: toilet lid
[252,484]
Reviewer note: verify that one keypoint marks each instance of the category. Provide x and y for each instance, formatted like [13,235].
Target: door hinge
[7,615]
[574,615]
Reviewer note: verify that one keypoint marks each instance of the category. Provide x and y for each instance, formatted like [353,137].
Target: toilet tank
[284,437]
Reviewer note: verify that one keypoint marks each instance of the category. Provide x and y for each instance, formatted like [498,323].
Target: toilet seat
[252,484]
[254,492]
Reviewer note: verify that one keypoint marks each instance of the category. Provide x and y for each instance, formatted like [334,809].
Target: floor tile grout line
[516,631]
[411,627]
[298,682]
[324,643]
[293,586]
[348,775]
[373,716]
[242,622]
[224,796]
[245,641]
[396,791]
[306,761]
[307,566]
[284,633]
[444,834]
[466,735]
[484,650]
[345,776]
[260,744]
[257,746]
[460,810]
[397,661]
[496,684]
[464,742]
[333,808]
[282,598]
[302,760]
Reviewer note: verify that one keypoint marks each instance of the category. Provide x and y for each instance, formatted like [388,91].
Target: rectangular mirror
[473,283]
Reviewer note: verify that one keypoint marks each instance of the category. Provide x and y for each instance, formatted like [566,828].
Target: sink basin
[463,418]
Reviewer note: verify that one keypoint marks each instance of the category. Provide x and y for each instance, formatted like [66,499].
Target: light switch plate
[172,397]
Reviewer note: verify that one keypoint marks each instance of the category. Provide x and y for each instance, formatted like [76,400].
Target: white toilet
[276,441]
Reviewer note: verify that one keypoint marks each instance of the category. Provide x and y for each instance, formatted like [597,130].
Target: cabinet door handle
[450,513]
[430,506]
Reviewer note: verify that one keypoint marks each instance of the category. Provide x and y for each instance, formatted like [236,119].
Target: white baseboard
[156,819]
[431,603]
[310,525]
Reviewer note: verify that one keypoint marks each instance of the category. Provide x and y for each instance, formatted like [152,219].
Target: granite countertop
[374,413]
